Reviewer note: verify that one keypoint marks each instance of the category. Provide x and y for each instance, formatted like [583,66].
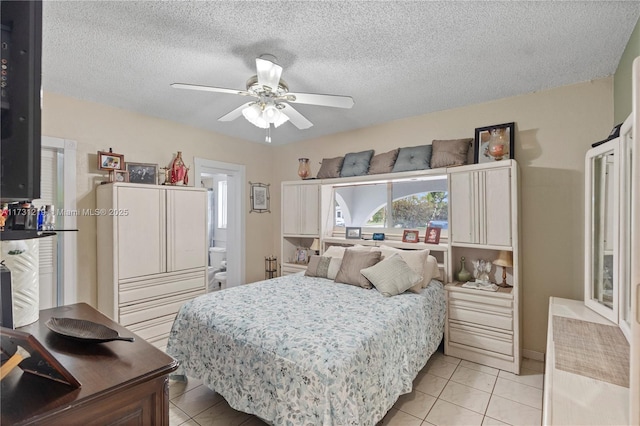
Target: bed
[300,350]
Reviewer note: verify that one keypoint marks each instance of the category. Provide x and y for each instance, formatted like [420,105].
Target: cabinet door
[290,210]
[463,210]
[186,229]
[497,207]
[141,233]
[309,214]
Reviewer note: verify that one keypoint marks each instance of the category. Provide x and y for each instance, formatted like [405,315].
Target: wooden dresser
[122,382]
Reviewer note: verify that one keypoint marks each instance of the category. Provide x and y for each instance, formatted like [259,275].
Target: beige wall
[145,139]
[554,129]
[622,77]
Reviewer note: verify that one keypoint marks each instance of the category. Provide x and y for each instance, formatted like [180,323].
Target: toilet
[217,271]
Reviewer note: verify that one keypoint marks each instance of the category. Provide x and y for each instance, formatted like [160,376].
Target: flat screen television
[20,83]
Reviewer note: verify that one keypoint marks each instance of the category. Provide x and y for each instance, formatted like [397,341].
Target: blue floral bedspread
[299,351]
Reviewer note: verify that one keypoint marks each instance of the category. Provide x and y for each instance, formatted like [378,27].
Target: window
[392,206]
[222,204]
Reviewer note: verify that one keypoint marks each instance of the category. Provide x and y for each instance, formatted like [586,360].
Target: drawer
[132,291]
[154,329]
[481,338]
[485,299]
[133,314]
[489,315]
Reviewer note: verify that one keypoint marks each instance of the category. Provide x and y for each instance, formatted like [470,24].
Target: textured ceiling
[396,59]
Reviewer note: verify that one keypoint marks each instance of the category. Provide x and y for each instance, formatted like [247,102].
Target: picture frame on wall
[410,236]
[110,161]
[505,133]
[260,198]
[143,173]
[353,233]
[433,235]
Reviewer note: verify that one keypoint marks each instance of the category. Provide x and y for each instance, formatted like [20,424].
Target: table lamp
[315,246]
[506,261]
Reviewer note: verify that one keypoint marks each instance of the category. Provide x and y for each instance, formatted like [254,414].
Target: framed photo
[505,132]
[432,236]
[302,255]
[260,198]
[118,176]
[110,161]
[352,233]
[410,236]
[143,173]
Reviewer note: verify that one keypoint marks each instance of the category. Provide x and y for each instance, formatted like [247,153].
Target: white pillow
[416,259]
[334,251]
[431,271]
[334,267]
[392,276]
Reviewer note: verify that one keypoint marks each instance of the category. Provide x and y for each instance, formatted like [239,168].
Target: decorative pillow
[416,259]
[383,163]
[334,267]
[352,263]
[356,163]
[318,266]
[432,271]
[330,168]
[413,158]
[392,276]
[334,251]
[451,152]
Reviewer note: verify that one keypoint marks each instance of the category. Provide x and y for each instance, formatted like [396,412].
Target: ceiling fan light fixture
[253,114]
[271,113]
[281,120]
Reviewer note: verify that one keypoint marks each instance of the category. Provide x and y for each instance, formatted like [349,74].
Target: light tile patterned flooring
[447,391]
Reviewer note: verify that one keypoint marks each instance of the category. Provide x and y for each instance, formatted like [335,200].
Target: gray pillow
[413,158]
[318,267]
[383,163]
[352,263]
[330,168]
[392,276]
[356,163]
[451,152]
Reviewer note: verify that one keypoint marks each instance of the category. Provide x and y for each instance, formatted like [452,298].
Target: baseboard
[536,356]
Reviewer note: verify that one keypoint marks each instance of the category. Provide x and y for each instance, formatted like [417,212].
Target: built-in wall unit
[152,245]
[591,344]
[476,207]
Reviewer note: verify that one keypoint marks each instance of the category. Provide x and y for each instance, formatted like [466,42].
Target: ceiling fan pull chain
[268,138]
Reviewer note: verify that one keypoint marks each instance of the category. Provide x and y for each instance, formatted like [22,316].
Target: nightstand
[480,326]
[122,382]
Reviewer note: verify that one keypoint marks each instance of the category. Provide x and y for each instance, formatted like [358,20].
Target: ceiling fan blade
[235,113]
[268,72]
[335,101]
[295,117]
[209,89]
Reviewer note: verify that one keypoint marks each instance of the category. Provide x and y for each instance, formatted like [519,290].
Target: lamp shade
[504,259]
[316,245]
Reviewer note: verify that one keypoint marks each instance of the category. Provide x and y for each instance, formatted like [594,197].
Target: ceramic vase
[22,259]
[303,168]
[463,274]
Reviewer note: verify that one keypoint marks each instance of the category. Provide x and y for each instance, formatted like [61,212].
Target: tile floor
[447,391]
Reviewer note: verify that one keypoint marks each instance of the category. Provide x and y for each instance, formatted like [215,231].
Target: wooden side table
[122,382]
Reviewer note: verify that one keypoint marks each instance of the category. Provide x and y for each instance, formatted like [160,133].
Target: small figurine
[481,270]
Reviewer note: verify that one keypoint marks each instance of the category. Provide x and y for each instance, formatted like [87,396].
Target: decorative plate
[86,331]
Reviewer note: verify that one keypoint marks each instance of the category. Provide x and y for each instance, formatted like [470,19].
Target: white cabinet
[151,254]
[300,208]
[481,206]
[484,326]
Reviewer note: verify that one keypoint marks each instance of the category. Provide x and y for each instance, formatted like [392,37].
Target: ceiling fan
[271,103]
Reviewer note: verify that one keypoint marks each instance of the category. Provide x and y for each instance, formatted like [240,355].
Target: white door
[634,385]
[461,195]
[186,229]
[141,233]
[497,202]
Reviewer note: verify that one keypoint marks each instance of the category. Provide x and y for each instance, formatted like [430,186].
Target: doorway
[226,216]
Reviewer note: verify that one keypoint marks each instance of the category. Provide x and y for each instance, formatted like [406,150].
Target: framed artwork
[432,236]
[352,233]
[410,236]
[302,255]
[143,173]
[110,161]
[504,133]
[259,198]
[118,176]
